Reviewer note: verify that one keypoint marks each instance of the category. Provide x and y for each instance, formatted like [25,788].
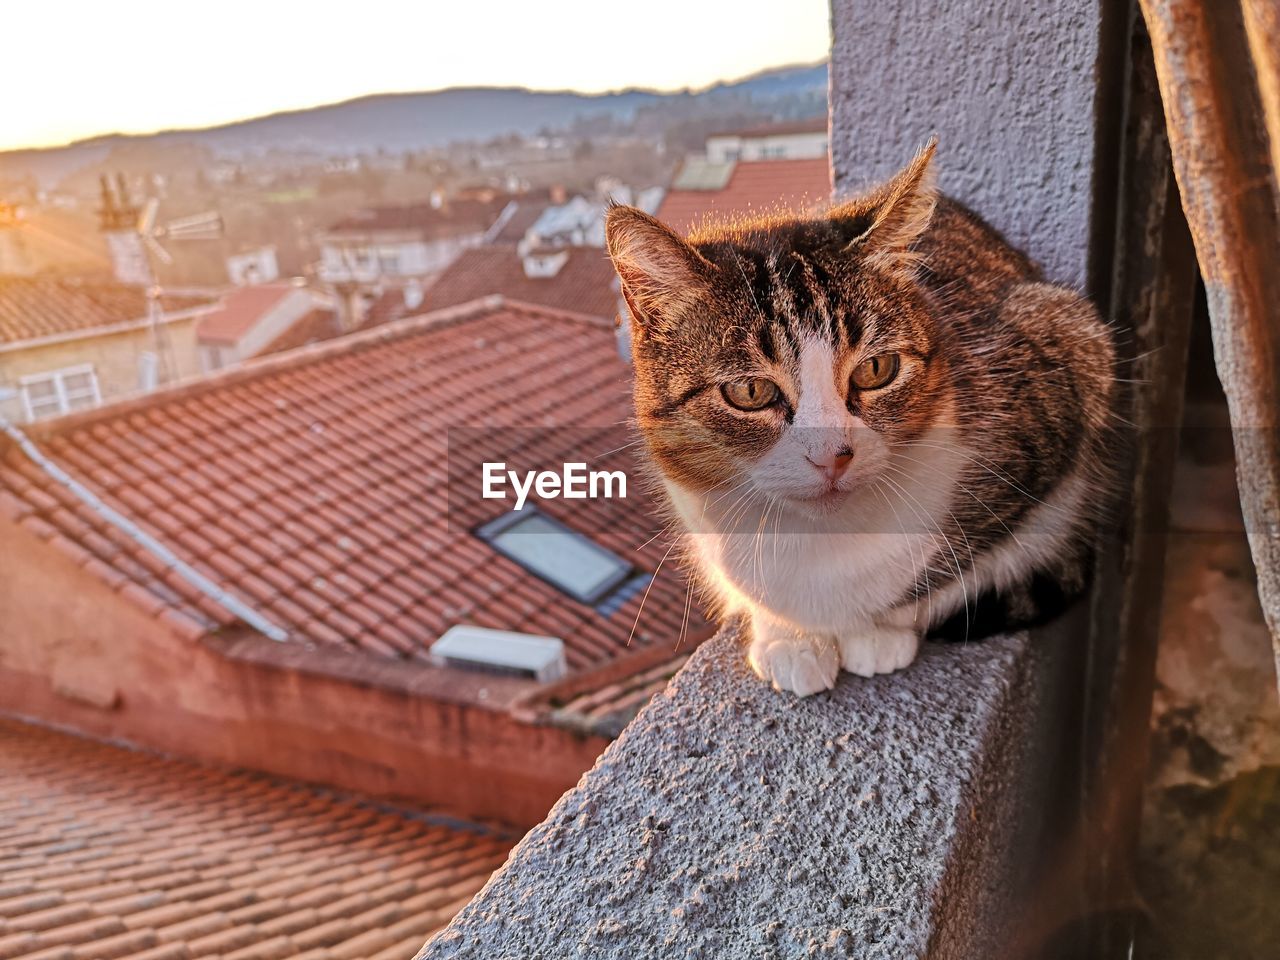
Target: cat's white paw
[878,649]
[791,660]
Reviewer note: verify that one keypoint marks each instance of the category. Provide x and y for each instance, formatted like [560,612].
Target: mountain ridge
[410,120]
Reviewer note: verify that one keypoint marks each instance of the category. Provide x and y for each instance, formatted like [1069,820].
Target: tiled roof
[240,310]
[108,854]
[528,210]
[456,216]
[313,486]
[387,306]
[611,706]
[584,284]
[32,308]
[755,187]
[314,326]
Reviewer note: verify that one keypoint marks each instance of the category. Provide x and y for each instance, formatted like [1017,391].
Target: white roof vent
[501,651]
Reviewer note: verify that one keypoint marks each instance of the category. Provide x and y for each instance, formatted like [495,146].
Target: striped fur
[959,497]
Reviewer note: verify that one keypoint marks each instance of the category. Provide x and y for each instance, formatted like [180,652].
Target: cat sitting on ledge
[871,424]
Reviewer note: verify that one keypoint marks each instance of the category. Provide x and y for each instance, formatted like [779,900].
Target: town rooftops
[107,852]
[583,283]
[781,128]
[40,308]
[443,219]
[750,188]
[310,494]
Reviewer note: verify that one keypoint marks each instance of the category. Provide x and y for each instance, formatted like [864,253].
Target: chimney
[118,221]
[15,261]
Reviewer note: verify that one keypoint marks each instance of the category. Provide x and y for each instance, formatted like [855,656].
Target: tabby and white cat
[872,423]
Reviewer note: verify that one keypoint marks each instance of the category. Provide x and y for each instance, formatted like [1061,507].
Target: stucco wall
[1008,86]
[114,357]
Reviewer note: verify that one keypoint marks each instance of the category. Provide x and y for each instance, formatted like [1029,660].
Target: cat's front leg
[878,648]
[791,659]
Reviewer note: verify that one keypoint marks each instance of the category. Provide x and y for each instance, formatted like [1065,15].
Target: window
[61,391]
[564,558]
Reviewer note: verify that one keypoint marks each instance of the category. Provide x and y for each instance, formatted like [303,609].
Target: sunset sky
[76,68]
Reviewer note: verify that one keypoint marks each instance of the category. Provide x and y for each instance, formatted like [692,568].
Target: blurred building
[396,243]
[576,279]
[68,345]
[799,140]
[253,266]
[264,318]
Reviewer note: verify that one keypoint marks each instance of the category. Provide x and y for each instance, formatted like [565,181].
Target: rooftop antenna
[140,225]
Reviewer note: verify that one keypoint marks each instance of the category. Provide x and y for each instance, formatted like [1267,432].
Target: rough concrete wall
[1009,88]
[892,818]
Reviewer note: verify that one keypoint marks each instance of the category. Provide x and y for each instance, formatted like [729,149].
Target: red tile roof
[606,709]
[33,308]
[583,284]
[313,327]
[313,485]
[755,187]
[109,853]
[240,311]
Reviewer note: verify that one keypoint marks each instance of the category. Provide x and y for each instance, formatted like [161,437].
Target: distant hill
[409,121]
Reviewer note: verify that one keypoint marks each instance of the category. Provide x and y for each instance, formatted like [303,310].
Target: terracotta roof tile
[32,308]
[200,862]
[327,508]
[240,310]
[755,187]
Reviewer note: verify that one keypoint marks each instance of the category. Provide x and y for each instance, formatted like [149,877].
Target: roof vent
[501,651]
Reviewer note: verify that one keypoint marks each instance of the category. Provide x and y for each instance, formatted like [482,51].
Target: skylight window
[561,556]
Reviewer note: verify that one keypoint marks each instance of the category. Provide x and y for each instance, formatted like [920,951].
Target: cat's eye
[875,372]
[753,393]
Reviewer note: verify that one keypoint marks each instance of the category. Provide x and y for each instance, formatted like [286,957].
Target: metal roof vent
[501,651]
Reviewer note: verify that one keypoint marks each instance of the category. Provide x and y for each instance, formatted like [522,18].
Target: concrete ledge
[896,817]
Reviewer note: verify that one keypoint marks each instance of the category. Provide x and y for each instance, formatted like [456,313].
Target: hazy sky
[76,68]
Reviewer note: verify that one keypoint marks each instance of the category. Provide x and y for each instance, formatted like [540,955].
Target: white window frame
[63,396]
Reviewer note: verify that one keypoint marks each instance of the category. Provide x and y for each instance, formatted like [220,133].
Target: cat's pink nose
[832,465]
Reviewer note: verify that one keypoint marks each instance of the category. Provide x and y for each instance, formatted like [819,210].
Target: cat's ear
[660,272]
[883,225]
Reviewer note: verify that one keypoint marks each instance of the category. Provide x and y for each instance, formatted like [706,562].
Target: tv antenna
[120,216]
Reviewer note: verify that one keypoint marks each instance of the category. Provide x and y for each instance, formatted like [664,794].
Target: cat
[872,423]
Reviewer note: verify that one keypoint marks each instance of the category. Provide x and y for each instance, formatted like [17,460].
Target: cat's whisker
[964,589]
[688,604]
[915,570]
[911,503]
[982,503]
[649,587]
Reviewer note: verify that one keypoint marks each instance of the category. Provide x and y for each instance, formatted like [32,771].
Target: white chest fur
[830,573]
